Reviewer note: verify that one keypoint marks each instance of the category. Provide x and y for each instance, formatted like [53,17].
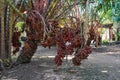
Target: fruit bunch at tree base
[81,55]
[67,40]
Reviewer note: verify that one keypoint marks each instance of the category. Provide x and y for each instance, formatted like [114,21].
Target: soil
[102,64]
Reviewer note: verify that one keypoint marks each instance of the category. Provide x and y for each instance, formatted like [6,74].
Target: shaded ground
[102,64]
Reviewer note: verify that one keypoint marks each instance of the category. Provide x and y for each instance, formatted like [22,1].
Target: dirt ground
[102,64]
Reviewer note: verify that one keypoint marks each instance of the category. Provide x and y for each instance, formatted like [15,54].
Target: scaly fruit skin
[67,41]
[15,41]
[81,54]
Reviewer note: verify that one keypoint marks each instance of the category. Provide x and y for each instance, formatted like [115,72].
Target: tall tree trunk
[7,32]
[2,51]
[86,21]
[5,49]
[0,35]
[27,52]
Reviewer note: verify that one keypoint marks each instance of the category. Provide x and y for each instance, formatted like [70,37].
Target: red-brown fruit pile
[67,40]
[81,54]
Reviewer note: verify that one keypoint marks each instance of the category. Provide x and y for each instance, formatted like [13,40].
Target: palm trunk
[2,50]
[86,22]
[7,32]
[27,52]
[0,35]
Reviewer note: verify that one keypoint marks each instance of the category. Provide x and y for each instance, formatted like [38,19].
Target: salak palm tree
[39,19]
